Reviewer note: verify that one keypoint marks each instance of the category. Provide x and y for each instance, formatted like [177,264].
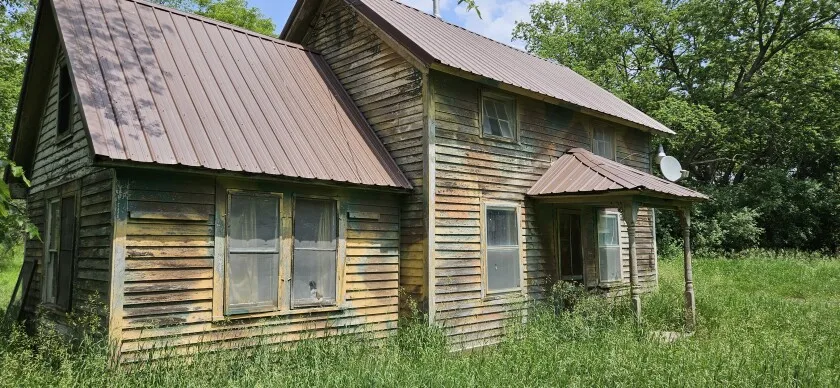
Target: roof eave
[456,71]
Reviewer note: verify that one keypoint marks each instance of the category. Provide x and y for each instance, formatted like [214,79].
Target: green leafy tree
[236,12]
[751,87]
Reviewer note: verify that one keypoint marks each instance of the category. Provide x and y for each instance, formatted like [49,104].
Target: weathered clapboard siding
[169,276]
[62,167]
[387,89]
[471,169]
[68,158]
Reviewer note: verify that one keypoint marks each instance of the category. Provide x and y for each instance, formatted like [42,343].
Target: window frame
[610,133]
[514,123]
[486,293]
[238,311]
[339,258]
[223,187]
[50,273]
[64,129]
[617,215]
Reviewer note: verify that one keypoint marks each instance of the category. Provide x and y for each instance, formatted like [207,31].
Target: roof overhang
[583,178]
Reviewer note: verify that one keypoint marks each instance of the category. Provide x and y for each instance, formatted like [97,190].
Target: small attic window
[65,103]
[498,116]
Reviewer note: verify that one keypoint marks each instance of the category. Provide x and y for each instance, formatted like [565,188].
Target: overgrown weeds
[762,322]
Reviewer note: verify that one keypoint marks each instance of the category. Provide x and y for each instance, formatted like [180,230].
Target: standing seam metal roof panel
[156,85]
[579,171]
[462,49]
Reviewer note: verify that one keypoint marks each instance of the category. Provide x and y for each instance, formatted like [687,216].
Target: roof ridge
[219,23]
[477,34]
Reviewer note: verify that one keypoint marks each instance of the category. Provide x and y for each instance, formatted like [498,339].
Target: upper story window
[609,247]
[603,143]
[502,249]
[498,115]
[65,103]
[254,254]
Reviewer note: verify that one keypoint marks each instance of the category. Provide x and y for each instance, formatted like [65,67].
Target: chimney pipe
[436,8]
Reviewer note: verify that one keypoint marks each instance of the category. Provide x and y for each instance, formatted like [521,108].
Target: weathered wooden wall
[471,168]
[169,269]
[62,167]
[387,89]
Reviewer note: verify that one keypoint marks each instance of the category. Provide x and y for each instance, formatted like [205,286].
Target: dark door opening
[569,246]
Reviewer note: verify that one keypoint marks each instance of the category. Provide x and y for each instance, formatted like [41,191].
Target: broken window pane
[498,117]
[314,260]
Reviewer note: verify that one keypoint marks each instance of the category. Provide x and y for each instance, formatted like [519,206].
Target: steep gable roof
[435,41]
[156,85]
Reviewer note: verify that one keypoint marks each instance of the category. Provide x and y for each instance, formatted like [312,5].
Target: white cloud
[498,17]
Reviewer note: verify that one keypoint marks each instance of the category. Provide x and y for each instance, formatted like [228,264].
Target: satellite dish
[670,168]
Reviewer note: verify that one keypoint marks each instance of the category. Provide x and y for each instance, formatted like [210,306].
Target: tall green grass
[762,321]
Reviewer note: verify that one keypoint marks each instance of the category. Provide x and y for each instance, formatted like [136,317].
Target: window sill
[499,138]
[281,313]
[64,137]
[513,293]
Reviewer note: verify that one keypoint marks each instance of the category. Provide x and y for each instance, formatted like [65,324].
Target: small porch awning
[580,174]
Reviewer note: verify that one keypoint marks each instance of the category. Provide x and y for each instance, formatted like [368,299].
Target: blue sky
[498,16]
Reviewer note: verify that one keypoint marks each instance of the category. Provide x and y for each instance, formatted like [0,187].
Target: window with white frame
[253,259]
[498,115]
[502,249]
[51,257]
[315,253]
[603,143]
[609,247]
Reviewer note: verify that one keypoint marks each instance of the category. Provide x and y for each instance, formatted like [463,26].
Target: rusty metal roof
[433,40]
[156,85]
[582,172]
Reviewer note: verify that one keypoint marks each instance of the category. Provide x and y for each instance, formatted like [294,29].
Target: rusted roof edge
[393,32]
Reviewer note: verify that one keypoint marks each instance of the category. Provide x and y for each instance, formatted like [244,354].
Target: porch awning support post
[690,308]
[630,213]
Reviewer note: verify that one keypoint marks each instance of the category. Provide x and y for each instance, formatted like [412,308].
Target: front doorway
[570,254]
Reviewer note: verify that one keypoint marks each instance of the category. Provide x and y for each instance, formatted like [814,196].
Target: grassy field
[764,320]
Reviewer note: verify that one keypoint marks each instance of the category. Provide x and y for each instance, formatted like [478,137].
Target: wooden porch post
[630,212]
[690,308]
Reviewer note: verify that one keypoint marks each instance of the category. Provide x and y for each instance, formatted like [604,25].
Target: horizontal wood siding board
[169,280]
[387,90]
[470,167]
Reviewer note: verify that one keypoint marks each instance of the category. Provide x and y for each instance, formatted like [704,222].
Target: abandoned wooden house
[198,185]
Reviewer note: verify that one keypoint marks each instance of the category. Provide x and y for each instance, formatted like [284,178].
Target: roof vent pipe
[436,8]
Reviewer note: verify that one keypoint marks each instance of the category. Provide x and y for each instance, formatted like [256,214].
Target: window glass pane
[491,127]
[55,222]
[252,279]
[610,263]
[505,129]
[313,277]
[501,227]
[608,230]
[502,268]
[497,117]
[253,222]
[502,110]
[603,143]
[315,224]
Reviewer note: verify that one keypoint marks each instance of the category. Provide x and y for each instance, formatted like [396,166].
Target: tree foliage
[236,12]
[752,88]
